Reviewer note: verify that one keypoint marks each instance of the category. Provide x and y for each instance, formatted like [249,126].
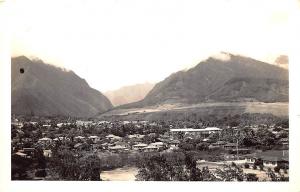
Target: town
[51,148]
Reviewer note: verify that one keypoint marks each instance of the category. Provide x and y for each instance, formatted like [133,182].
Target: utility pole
[237,148]
[237,145]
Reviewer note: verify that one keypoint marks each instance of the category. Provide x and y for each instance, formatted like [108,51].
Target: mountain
[46,90]
[129,94]
[234,79]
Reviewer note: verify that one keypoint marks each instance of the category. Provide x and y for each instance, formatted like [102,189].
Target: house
[136,136]
[28,151]
[62,124]
[174,143]
[17,124]
[113,137]
[284,141]
[102,122]
[61,139]
[19,153]
[33,123]
[118,148]
[94,138]
[104,145]
[271,158]
[47,153]
[139,146]
[79,138]
[126,122]
[150,148]
[230,146]
[158,145]
[83,123]
[218,144]
[122,144]
[45,140]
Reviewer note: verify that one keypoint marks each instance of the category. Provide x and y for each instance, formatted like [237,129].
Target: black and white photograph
[161,91]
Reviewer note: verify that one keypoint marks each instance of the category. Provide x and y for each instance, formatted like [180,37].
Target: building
[94,138]
[19,153]
[45,140]
[284,141]
[230,146]
[30,152]
[17,124]
[202,132]
[174,143]
[62,124]
[150,148]
[118,148]
[47,153]
[270,158]
[158,145]
[79,138]
[113,137]
[83,123]
[136,136]
[218,144]
[139,146]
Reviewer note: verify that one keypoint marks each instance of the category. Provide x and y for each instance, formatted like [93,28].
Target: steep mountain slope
[217,80]
[48,90]
[129,94]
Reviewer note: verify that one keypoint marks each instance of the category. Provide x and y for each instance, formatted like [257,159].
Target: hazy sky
[112,43]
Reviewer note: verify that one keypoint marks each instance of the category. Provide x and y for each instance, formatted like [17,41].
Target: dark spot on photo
[21,70]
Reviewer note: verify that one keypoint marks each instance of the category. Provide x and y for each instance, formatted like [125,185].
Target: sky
[114,43]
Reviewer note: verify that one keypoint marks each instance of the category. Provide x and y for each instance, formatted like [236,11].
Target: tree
[230,173]
[19,167]
[71,166]
[274,177]
[90,168]
[41,163]
[251,177]
[172,167]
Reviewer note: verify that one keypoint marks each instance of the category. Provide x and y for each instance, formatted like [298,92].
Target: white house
[139,146]
[205,132]
[45,140]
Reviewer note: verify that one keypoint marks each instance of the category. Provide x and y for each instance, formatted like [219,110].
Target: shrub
[254,167]
[261,167]
[251,177]
[277,169]
[41,173]
[233,164]
[246,166]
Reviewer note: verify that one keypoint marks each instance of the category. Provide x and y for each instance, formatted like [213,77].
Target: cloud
[222,56]
[282,61]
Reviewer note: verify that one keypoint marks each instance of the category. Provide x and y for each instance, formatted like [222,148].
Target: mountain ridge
[265,82]
[44,89]
[129,93]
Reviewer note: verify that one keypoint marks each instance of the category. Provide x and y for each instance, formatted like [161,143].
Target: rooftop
[196,130]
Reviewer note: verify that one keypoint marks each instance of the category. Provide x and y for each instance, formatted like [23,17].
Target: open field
[120,174]
[221,108]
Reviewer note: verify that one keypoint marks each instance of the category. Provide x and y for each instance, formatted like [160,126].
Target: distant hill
[129,94]
[234,79]
[47,90]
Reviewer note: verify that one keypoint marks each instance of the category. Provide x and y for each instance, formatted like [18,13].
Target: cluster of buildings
[138,143]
